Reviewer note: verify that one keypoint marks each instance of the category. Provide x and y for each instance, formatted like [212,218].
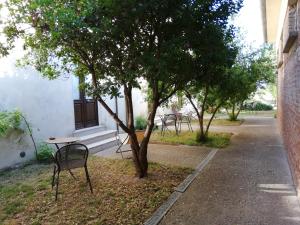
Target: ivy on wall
[9,120]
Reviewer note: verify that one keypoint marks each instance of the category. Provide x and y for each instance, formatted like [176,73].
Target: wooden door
[86,112]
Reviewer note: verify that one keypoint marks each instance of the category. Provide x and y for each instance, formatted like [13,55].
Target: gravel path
[247,183]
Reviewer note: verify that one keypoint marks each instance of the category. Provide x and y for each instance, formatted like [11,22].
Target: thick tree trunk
[139,150]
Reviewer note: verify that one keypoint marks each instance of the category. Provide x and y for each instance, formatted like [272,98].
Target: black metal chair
[70,157]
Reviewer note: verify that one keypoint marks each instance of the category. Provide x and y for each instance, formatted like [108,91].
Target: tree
[252,70]
[212,66]
[117,43]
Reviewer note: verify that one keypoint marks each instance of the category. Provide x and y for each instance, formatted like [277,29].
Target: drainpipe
[117,111]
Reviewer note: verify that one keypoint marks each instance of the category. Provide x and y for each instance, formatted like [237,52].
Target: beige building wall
[272,8]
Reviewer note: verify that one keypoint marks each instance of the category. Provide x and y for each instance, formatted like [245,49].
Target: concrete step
[98,136]
[102,145]
[88,131]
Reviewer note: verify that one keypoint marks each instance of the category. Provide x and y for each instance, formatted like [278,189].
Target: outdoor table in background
[62,141]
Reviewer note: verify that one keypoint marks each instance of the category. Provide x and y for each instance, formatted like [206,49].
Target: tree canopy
[252,70]
[118,43]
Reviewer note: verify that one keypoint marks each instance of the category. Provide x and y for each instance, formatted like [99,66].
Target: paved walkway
[248,183]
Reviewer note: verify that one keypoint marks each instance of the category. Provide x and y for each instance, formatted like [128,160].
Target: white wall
[140,105]
[47,105]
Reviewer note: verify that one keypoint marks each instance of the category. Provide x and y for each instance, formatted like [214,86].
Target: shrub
[9,121]
[44,153]
[140,123]
[258,106]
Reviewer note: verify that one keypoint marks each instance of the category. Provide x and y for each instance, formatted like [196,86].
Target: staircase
[97,138]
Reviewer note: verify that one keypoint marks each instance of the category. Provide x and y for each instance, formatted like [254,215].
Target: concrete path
[248,183]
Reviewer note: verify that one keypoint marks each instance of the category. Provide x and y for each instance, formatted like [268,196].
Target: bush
[9,121]
[258,106]
[140,123]
[44,153]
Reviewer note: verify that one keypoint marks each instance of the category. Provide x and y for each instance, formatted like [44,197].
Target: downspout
[117,112]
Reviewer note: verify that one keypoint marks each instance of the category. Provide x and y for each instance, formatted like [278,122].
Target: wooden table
[62,140]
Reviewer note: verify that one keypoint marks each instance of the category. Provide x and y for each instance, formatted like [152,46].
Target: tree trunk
[200,115]
[238,113]
[211,119]
[233,116]
[139,150]
[233,112]
[202,136]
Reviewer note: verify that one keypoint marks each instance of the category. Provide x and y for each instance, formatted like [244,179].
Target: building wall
[47,105]
[289,106]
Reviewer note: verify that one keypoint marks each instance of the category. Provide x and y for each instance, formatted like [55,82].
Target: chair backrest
[171,117]
[71,156]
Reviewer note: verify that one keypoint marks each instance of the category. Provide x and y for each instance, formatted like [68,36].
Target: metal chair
[120,144]
[187,119]
[70,157]
[166,120]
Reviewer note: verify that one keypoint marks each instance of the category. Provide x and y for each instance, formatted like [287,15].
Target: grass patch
[221,122]
[119,198]
[215,139]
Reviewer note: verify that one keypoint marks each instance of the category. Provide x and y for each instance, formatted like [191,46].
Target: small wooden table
[63,140]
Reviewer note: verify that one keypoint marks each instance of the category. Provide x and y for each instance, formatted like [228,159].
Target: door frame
[83,102]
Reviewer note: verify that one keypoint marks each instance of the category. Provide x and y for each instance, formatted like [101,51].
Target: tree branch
[168,96]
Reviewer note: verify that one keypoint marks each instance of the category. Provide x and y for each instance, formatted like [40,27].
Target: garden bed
[221,122]
[119,198]
[214,140]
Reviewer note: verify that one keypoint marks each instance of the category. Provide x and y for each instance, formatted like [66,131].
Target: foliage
[12,120]
[44,153]
[118,43]
[140,123]
[212,92]
[9,120]
[214,140]
[257,106]
[27,198]
[251,71]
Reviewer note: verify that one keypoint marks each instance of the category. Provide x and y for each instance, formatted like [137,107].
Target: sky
[249,20]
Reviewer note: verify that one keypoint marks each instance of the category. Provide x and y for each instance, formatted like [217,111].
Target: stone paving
[247,183]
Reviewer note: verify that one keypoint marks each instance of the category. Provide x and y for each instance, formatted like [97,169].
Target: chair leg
[53,177]
[162,129]
[57,182]
[191,126]
[88,178]
[72,174]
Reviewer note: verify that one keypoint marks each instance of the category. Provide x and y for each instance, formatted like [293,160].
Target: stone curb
[179,190]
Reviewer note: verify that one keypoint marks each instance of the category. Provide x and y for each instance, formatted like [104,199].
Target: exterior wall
[289,106]
[272,9]
[47,105]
